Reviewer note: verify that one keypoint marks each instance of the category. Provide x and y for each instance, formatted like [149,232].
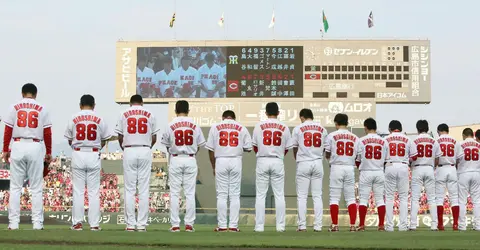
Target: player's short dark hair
[395,125]
[272,108]
[29,88]
[182,106]
[229,113]
[136,99]
[87,100]
[467,132]
[306,113]
[341,119]
[370,124]
[477,134]
[443,128]
[209,57]
[422,126]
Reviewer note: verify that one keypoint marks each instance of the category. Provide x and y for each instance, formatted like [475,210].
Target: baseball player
[468,170]
[401,150]
[166,80]
[28,124]
[226,143]
[428,152]
[136,131]
[271,141]
[446,176]
[86,133]
[341,149]
[182,138]
[188,79]
[372,151]
[145,77]
[211,77]
[308,150]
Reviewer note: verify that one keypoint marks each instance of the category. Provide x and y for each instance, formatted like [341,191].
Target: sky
[67,48]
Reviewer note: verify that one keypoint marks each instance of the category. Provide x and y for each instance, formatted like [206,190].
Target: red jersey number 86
[272,138]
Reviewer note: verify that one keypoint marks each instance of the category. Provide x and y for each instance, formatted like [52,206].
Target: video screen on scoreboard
[219,72]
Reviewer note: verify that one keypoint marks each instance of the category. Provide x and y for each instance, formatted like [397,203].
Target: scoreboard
[382,71]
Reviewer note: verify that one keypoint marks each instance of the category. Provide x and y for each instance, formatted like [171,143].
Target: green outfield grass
[113,237]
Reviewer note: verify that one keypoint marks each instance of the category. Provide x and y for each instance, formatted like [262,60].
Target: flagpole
[175,26]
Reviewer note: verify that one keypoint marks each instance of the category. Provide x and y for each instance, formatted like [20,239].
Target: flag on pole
[221,21]
[370,20]
[272,22]
[172,21]
[325,22]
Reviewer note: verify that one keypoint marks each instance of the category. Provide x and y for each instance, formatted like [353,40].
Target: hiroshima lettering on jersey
[183,124]
[133,112]
[28,106]
[86,118]
[397,138]
[187,78]
[470,144]
[350,137]
[272,125]
[229,126]
[424,140]
[373,141]
[446,140]
[311,127]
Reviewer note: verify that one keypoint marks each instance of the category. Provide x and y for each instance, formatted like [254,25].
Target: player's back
[28,118]
[87,130]
[182,136]
[427,150]
[229,138]
[400,148]
[447,147]
[372,150]
[342,144]
[309,138]
[271,138]
[137,125]
[468,156]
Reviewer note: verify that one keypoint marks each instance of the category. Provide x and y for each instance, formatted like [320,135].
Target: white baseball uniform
[309,138]
[182,138]
[428,150]
[223,90]
[468,180]
[144,80]
[86,131]
[137,125]
[372,151]
[400,150]
[28,119]
[228,140]
[446,172]
[189,76]
[209,78]
[271,139]
[166,81]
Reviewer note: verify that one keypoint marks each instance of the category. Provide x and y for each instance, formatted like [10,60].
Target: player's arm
[200,138]
[437,153]
[105,133]
[155,129]
[412,151]
[7,135]
[288,140]
[69,132]
[459,153]
[247,140]
[294,142]
[328,147]
[119,131]
[255,138]
[210,146]
[47,135]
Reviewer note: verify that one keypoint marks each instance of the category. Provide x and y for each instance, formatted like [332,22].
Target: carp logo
[232,86]
[233,59]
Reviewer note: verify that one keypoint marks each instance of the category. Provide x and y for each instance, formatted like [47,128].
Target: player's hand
[213,172]
[6,157]
[48,158]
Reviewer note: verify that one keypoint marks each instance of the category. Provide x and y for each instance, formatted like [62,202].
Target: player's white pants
[342,178]
[423,176]
[137,165]
[86,168]
[372,180]
[446,179]
[396,179]
[469,183]
[228,176]
[309,174]
[182,171]
[26,161]
[269,170]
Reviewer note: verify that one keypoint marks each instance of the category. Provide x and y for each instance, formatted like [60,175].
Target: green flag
[325,22]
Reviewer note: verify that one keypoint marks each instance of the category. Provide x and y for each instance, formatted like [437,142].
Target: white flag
[272,22]
[221,21]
